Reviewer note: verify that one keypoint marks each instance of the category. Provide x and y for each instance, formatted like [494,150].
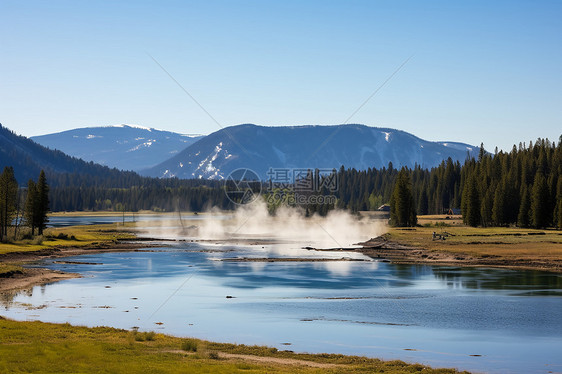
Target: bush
[189,345]
[144,336]
[214,355]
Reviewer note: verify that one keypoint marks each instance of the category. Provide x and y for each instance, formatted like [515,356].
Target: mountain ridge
[126,146]
[260,148]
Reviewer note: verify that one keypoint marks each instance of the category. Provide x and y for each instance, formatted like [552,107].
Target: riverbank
[45,347]
[61,242]
[453,244]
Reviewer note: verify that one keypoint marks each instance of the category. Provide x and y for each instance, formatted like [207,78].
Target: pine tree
[472,216]
[423,205]
[524,209]
[37,204]
[8,199]
[498,209]
[539,202]
[30,205]
[558,209]
[402,205]
[486,207]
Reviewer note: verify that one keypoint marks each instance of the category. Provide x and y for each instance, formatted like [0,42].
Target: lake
[478,319]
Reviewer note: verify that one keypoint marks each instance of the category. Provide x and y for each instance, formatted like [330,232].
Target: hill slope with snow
[260,148]
[126,147]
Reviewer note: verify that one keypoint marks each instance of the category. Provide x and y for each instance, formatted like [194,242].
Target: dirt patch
[277,360]
[32,277]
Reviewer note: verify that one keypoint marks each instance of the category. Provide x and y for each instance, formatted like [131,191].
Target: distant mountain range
[126,147]
[215,156]
[28,158]
[260,148]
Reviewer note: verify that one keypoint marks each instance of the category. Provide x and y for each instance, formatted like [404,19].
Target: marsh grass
[73,236]
[509,242]
[61,348]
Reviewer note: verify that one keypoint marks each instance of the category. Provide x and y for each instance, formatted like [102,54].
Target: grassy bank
[8,270]
[74,236]
[510,243]
[47,348]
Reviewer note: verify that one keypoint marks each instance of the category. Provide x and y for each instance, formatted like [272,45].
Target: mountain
[260,148]
[126,147]
[28,158]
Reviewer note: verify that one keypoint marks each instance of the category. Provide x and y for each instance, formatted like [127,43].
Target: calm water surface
[484,320]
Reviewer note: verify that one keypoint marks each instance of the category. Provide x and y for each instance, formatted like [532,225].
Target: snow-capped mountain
[261,148]
[126,147]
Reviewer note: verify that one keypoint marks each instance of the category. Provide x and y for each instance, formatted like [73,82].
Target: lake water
[483,320]
[69,220]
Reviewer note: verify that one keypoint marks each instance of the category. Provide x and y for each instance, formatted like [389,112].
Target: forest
[522,187]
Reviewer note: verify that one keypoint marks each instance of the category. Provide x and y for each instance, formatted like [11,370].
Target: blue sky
[481,71]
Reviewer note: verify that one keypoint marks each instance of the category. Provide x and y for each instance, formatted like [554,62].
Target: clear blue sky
[486,71]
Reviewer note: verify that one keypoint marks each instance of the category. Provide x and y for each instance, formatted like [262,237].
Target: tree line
[28,206]
[522,187]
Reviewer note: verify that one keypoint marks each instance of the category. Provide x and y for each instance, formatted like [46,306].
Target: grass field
[74,236]
[508,242]
[61,348]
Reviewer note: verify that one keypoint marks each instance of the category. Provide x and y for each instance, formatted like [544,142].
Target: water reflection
[354,307]
[527,283]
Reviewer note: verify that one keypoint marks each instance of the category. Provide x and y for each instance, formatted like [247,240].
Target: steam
[338,229]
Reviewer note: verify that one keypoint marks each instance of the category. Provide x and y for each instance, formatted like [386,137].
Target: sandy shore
[33,277]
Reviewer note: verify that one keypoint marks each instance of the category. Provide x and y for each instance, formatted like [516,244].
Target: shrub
[189,345]
[214,355]
[144,336]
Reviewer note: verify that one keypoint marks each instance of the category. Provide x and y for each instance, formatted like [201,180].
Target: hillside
[126,147]
[28,158]
[260,148]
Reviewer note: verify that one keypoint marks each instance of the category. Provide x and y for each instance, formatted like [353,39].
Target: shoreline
[381,248]
[31,277]
[84,348]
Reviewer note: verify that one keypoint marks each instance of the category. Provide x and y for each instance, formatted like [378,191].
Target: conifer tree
[402,205]
[539,202]
[30,205]
[42,202]
[37,204]
[524,209]
[486,207]
[558,209]
[498,209]
[8,197]
[472,215]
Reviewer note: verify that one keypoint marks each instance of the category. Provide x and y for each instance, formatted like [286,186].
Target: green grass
[74,236]
[54,348]
[508,242]
[7,270]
